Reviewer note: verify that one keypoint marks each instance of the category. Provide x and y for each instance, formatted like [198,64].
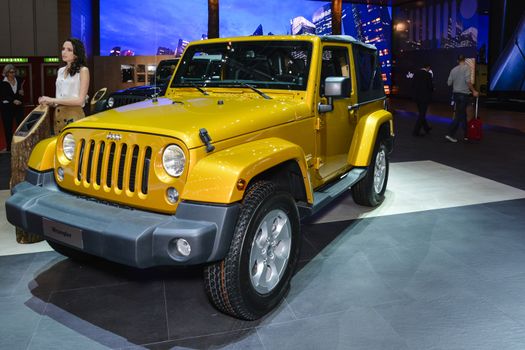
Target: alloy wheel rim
[270,251]
[380,171]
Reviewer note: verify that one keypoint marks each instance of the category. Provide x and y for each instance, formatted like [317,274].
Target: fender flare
[214,178]
[365,136]
[42,157]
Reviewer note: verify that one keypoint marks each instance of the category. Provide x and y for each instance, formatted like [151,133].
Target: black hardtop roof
[346,39]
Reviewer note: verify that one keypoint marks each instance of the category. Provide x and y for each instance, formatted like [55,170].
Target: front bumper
[125,235]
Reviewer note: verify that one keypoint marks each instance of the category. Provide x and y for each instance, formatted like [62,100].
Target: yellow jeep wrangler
[253,134]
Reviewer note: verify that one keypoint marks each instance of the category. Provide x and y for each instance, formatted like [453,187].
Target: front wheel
[255,275]
[370,190]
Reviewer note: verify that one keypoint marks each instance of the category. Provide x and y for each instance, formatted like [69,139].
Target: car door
[335,128]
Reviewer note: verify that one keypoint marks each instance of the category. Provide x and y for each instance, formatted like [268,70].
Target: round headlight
[111,102]
[173,160]
[68,145]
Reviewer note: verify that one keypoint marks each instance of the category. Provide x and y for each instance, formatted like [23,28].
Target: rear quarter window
[368,73]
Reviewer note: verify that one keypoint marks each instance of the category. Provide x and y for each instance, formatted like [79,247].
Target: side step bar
[328,193]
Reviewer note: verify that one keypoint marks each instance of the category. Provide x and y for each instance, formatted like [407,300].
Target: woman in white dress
[72,85]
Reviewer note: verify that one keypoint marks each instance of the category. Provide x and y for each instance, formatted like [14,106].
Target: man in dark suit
[423,87]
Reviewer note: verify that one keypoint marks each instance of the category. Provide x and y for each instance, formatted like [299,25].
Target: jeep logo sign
[114,137]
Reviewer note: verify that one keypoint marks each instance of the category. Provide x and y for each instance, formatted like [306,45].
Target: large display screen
[445,24]
[81,19]
[368,23]
[238,17]
[507,64]
[151,27]
[157,27]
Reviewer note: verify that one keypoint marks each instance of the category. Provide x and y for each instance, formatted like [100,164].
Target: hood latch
[203,133]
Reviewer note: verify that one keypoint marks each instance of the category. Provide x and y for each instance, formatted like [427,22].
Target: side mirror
[334,87]
[337,87]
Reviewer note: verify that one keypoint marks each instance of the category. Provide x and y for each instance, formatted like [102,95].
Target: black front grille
[122,100]
[94,163]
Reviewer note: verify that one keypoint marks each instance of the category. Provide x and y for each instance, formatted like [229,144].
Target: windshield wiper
[200,89]
[189,83]
[254,89]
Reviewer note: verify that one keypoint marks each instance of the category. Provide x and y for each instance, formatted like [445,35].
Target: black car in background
[134,94]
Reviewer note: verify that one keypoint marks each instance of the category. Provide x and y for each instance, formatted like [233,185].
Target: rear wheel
[370,190]
[255,275]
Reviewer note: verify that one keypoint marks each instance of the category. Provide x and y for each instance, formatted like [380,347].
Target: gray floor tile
[461,321]
[40,264]
[506,294]
[355,328]
[51,272]
[337,283]
[423,272]
[134,312]
[17,322]
[491,256]
[52,335]
[12,268]
[360,234]
[248,339]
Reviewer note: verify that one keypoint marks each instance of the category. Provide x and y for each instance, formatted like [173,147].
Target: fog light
[183,247]
[60,174]
[173,195]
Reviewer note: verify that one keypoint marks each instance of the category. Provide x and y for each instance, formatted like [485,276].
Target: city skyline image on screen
[167,26]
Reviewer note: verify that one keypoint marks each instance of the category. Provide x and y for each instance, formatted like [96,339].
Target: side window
[335,63]
[369,80]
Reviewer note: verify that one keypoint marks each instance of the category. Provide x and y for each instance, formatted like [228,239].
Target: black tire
[229,283]
[365,191]
[71,253]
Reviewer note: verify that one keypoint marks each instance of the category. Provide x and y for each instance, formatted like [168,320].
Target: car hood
[222,117]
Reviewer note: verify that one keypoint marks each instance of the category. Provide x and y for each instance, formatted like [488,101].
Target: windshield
[261,64]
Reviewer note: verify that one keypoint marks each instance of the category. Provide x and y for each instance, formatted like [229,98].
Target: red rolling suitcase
[475,126]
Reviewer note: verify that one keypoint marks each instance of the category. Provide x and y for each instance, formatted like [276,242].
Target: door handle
[353,107]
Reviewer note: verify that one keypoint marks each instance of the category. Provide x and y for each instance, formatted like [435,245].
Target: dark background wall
[28,27]
[435,32]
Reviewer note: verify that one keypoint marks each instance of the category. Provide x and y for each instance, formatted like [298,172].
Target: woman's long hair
[80,52]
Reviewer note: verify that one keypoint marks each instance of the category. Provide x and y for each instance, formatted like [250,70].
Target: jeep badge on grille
[114,137]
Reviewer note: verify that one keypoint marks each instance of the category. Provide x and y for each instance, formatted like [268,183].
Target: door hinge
[318,123]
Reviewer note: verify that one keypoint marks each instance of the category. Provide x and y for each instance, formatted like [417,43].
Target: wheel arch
[378,124]
[224,176]
[288,177]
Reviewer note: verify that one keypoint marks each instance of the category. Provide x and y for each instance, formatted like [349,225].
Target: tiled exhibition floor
[438,266]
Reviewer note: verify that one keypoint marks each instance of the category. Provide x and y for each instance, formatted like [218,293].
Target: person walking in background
[11,97]
[462,89]
[423,88]
[72,85]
